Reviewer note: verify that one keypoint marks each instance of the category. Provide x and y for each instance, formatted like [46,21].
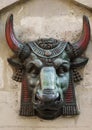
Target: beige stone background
[61,19]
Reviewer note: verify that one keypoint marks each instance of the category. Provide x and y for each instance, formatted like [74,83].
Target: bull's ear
[79,62]
[15,63]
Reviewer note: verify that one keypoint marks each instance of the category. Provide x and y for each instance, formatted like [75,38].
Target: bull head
[47,69]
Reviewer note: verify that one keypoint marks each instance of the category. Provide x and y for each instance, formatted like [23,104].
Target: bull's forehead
[49,61]
[49,70]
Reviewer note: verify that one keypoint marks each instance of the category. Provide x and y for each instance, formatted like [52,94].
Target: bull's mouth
[48,110]
[48,114]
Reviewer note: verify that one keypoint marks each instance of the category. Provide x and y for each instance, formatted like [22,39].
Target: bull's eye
[61,70]
[35,72]
[32,69]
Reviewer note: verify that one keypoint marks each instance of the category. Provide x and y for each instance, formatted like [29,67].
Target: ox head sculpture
[47,69]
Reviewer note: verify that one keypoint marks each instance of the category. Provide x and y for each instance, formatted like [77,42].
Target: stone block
[83,128]
[14,128]
[32,20]
[1,73]
[86,3]
[6,3]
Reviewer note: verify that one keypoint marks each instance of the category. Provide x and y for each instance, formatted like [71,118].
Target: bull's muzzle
[48,91]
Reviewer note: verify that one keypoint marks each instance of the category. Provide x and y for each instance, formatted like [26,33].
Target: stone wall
[36,19]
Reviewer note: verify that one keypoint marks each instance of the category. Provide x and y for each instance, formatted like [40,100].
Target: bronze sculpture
[47,69]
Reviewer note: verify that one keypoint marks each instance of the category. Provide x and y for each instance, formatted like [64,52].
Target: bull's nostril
[47,95]
[58,98]
[36,98]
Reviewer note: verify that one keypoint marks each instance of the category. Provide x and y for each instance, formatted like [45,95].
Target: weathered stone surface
[86,3]
[29,128]
[58,19]
[5,3]
[1,73]
[44,27]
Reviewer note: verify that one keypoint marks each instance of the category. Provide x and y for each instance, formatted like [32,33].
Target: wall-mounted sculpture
[47,69]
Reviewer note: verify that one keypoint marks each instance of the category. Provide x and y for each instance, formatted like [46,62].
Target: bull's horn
[80,46]
[12,41]
[22,50]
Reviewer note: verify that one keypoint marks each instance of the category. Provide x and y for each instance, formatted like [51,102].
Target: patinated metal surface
[47,69]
